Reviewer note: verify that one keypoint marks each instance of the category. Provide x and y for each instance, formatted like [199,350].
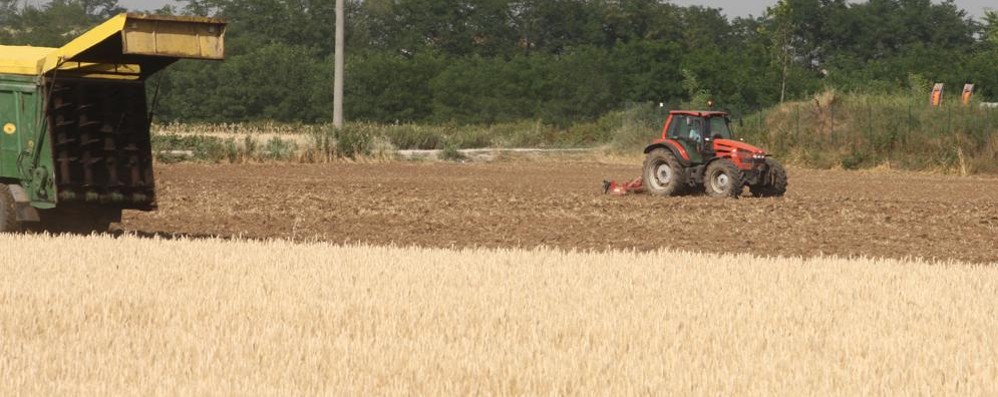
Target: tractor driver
[695,126]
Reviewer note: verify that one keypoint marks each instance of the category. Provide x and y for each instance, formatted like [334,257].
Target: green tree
[554,25]
[483,61]
[781,35]
[991,27]
[9,14]
[404,97]
[274,82]
[57,22]
[577,86]
[628,20]
[648,70]
[483,90]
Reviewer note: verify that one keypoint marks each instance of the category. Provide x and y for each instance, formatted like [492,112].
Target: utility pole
[339,61]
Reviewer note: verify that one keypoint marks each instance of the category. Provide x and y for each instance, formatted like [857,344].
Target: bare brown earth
[559,204]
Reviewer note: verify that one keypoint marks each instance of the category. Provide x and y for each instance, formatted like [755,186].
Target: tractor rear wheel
[723,179]
[8,214]
[775,182]
[662,173]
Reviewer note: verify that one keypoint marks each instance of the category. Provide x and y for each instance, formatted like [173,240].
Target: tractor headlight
[759,156]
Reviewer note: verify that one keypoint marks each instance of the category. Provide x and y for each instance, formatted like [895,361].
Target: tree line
[560,61]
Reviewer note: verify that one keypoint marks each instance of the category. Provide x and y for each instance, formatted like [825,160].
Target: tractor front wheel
[8,214]
[775,182]
[663,175]
[724,179]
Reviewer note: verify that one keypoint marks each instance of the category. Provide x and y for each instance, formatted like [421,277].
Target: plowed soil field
[559,204]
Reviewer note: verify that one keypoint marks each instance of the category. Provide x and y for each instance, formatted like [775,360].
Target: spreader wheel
[60,221]
[723,179]
[8,214]
[663,175]
[775,182]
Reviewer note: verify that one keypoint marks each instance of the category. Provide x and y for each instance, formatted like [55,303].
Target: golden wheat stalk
[103,315]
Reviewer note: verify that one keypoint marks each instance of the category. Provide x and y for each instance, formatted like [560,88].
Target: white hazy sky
[733,8]
[741,8]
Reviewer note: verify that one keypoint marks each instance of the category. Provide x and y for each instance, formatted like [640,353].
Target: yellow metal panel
[101,70]
[121,46]
[85,42]
[212,46]
[21,53]
[180,39]
[22,60]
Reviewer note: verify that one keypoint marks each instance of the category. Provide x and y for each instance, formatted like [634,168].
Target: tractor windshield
[719,128]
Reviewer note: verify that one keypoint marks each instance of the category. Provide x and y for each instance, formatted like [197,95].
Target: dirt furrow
[531,203]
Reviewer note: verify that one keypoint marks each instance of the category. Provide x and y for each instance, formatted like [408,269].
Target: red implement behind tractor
[697,152]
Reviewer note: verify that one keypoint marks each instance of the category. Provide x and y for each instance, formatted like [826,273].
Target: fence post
[965,129]
[869,127]
[949,122]
[797,117]
[761,125]
[987,124]
[908,136]
[831,111]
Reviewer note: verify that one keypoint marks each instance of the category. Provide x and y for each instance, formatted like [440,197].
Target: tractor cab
[696,130]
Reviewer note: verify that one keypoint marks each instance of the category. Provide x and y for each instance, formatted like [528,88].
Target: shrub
[861,130]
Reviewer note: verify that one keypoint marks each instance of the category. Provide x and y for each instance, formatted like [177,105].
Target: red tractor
[698,152]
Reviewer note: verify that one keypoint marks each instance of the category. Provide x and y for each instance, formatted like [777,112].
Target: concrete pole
[338,73]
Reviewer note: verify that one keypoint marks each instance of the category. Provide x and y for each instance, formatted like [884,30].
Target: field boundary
[481,154]
[487,153]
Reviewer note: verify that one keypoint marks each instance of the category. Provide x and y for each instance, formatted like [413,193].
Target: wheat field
[132,316]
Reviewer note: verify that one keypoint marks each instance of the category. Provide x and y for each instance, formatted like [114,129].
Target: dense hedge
[558,61]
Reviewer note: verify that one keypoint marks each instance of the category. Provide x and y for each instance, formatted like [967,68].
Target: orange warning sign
[968,94]
[937,95]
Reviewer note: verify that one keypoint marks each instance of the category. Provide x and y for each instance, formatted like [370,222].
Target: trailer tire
[8,213]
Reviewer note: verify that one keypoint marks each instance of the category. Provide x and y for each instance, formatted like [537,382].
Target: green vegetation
[824,83]
[864,130]
[560,62]
[830,130]
[170,148]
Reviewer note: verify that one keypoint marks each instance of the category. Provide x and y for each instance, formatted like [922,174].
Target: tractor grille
[100,143]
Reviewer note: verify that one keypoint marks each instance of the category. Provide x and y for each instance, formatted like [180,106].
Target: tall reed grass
[863,130]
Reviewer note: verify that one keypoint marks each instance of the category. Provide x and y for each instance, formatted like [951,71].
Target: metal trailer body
[75,120]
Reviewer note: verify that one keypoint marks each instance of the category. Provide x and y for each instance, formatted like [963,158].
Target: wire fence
[837,126]
[853,131]
[858,133]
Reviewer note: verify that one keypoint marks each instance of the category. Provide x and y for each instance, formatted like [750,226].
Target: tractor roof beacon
[698,152]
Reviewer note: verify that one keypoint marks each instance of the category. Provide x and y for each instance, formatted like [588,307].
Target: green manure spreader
[75,146]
